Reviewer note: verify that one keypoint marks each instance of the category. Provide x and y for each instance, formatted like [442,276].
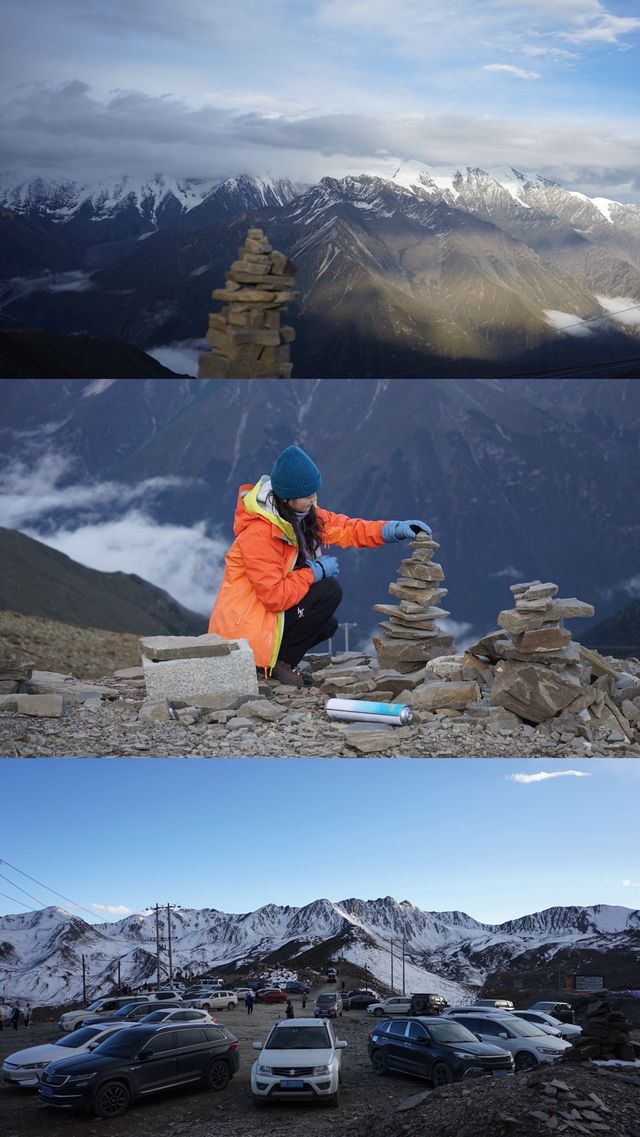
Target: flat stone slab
[40,706]
[129,673]
[158,648]
[456,694]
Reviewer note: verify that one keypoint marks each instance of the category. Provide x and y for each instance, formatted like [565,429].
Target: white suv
[395,1005]
[216,999]
[300,1059]
[72,1019]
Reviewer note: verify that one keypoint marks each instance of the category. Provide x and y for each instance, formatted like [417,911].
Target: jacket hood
[253,503]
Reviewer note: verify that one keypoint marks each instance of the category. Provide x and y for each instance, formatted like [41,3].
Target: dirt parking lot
[228,1114]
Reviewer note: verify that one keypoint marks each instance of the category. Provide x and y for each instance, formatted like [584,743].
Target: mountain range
[418,274]
[519,479]
[41,581]
[41,952]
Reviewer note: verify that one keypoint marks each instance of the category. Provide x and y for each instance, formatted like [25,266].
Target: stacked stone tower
[542,673]
[246,337]
[410,635]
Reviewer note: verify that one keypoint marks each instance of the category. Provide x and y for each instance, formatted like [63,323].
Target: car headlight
[82,1079]
[35,1065]
[264,1070]
[470,1059]
[321,1070]
[546,1050]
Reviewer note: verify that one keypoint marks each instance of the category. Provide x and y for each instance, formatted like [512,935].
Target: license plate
[499,1073]
[46,1091]
[291,1083]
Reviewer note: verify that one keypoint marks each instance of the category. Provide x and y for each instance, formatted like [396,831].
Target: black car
[362,998]
[427,1004]
[435,1048]
[139,1061]
[295,987]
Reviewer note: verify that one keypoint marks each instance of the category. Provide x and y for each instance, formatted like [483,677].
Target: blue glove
[323,566]
[400,530]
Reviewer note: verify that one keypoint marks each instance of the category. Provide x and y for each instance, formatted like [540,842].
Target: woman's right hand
[324,567]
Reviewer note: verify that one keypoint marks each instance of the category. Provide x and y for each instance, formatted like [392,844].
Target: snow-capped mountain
[450,952]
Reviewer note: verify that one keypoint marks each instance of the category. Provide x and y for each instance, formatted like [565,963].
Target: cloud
[518,72]
[631,884]
[545,776]
[181,356]
[112,909]
[509,571]
[112,527]
[568,322]
[624,309]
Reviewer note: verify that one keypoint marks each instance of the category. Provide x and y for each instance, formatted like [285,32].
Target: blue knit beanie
[295,475]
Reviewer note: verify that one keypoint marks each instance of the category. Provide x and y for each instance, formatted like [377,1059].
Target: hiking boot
[284,673]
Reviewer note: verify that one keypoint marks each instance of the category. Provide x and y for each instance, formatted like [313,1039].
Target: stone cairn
[410,635]
[541,672]
[606,1034]
[246,337]
[14,676]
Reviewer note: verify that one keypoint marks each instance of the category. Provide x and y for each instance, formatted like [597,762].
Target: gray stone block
[159,648]
[185,678]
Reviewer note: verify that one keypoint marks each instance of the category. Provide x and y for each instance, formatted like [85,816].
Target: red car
[271,995]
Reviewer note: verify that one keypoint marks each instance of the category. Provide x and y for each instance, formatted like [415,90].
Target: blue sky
[119,835]
[302,88]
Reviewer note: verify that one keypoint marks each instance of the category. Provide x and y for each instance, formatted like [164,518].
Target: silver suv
[328,1005]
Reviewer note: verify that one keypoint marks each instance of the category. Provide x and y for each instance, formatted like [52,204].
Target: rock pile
[246,337]
[605,1035]
[14,675]
[410,634]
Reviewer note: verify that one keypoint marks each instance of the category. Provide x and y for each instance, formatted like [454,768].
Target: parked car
[271,995]
[346,1001]
[435,1048]
[499,1004]
[328,1005]
[474,1009]
[72,1019]
[528,1043]
[214,1000]
[139,1061]
[562,1011]
[362,998]
[331,975]
[301,1059]
[242,992]
[131,1012]
[566,1030]
[394,1005]
[24,1067]
[178,1015]
[427,1004]
[168,993]
[295,987]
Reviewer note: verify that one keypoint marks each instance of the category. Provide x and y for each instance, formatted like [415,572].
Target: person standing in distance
[279,590]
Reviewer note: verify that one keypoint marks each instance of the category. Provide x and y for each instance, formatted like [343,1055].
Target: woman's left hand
[401,530]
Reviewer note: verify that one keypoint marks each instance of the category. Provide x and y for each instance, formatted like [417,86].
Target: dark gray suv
[328,1005]
[138,1061]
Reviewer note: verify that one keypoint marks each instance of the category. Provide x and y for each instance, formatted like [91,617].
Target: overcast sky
[503,838]
[303,88]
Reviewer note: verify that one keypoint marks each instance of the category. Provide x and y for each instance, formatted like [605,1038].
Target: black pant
[310,621]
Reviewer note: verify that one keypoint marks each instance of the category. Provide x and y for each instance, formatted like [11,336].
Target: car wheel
[379,1063]
[217,1075]
[441,1074]
[333,1099]
[379,1013]
[111,1099]
[230,1006]
[525,1061]
[206,1007]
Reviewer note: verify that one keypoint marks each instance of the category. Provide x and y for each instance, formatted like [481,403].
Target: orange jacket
[259,583]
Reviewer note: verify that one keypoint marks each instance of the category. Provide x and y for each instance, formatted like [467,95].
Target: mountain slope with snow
[41,952]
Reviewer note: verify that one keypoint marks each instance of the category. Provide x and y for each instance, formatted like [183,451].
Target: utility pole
[346,627]
[119,983]
[392,987]
[169,909]
[404,940]
[157,947]
[84,981]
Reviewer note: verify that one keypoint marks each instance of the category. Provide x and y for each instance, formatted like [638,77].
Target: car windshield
[121,1044]
[451,1032]
[524,1029]
[298,1038]
[79,1037]
[156,1017]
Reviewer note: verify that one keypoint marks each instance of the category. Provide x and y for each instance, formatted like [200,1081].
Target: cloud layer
[545,776]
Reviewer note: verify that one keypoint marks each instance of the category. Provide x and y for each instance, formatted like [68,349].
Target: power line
[14,885]
[46,886]
[14,900]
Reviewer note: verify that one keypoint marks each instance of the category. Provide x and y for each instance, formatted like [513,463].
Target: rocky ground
[114,719]
[597,1099]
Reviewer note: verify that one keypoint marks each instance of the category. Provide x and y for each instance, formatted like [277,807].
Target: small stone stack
[540,673]
[410,634]
[606,1034]
[14,676]
[246,337]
